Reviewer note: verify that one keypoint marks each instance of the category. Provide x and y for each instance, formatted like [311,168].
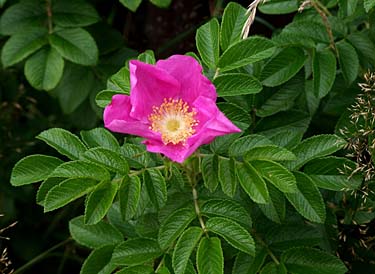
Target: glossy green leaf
[233,233]
[99,261]
[349,62]
[161,3]
[99,202]
[76,45]
[156,187]
[233,20]
[228,209]
[73,13]
[336,182]
[324,72]
[45,187]
[210,166]
[210,258]
[307,200]
[129,195]
[104,97]
[275,208]
[44,69]
[94,236]
[246,143]
[81,169]
[207,39]
[63,141]
[304,260]
[136,155]
[131,4]
[279,6]
[68,191]
[22,44]
[233,84]
[315,147]
[270,153]
[147,57]
[139,269]
[227,176]
[184,248]
[245,52]
[109,159]
[100,137]
[32,169]
[282,67]
[246,264]
[120,81]
[136,251]
[364,47]
[22,15]
[252,183]
[307,29]
[174,225]
[277,174]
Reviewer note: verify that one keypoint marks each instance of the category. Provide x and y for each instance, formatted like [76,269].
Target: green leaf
[369,4]
[73,13]
[210,258]
[63,141]
[99,261]
[75,86]
[252,183]
[233,84]
[282,99]
[174,225]
[129,195]
[136,155]
[336,182]
[210,166]
[184,247]
[307,200]
[100,137]
[136,251]
[94,236]
[246,264]
[44,69]
[283,66]
[32,169]
[156,187]
[233,233]
[239,116]
[131,4]
[81,169]
[22,15]
[99,202]
[324,72]
[207,39]
[76,45]
[233,20]
[68,191]
[227,208]
[245,52]
[161,3]
[349,61]
[270,153]
[308,30]
[304,260]
[227,176]
[279,6]
[104,97]
[22,44]
[277,174]
[139,269]
[287,236]
[109,159]
[45,187]
[246,143]
[147,57]
[364,47]
[315,147]
[275,208]
[120,81]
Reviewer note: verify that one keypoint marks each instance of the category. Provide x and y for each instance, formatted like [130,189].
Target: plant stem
[260,240]
[198,211]
[40,256]
[49,16]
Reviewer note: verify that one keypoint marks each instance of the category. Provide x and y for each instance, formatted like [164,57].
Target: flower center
[173,120]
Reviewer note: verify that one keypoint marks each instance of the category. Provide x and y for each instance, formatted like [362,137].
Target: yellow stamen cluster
[173,120]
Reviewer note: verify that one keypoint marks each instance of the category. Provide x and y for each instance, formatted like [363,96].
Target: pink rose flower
[172,105]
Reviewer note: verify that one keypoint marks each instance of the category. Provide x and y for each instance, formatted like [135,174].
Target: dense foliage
[292,193]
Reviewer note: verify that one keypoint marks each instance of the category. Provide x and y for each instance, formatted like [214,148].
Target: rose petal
[149,87]
[188,72]
[117,118]
[178,153]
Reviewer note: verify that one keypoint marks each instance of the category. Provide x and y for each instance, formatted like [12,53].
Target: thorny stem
[49,16]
